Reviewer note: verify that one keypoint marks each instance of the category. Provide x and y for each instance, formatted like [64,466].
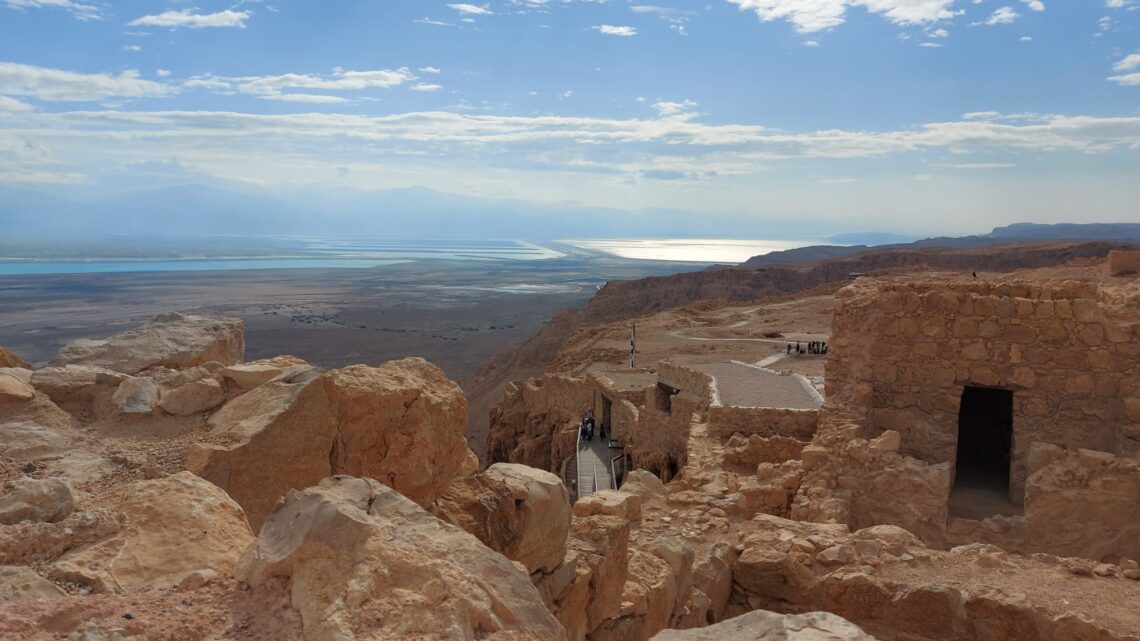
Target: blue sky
[924,116]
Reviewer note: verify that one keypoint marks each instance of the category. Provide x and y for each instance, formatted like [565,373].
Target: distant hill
[1018,233]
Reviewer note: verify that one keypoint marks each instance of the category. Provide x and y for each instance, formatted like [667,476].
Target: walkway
[593,462]
[740,385]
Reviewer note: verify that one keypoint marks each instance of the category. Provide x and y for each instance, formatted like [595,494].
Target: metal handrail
[613,472]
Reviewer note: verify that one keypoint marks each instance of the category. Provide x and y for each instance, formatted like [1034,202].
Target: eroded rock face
[364,562]
[174,527]
[401,423]
[193,397]
[170,340]
[769,626]
[545,515]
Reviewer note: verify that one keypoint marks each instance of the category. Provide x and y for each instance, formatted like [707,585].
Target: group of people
[818,348]
[587,427]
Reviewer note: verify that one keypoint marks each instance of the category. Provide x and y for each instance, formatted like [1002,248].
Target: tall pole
[633,348]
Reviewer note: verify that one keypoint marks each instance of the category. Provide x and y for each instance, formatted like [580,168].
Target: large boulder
[173,527]
[769,626]
[74,387]
[24,440]
[136,396]
[14,390]
[484,507]
[172,340]
[363,562]
[401,423]
[545,515]
[193,397]
[602,544]
[43,500]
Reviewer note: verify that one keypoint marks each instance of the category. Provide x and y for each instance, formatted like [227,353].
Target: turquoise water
[26,268]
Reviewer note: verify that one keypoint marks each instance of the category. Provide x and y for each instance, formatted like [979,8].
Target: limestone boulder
[769,626]
[14,390]
[250,375]
[612,502]
[74,387]
[19,583]
[193,397]
[644,484]
[602,544]
[24,440]
[363,562]
[19,372]
[401,423]
[173,340]
[172,528]
[647,602]
[136,396]
[544,514]
[484,507]
[42,500]
[8,359]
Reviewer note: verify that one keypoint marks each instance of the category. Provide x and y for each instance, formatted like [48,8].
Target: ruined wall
[764,421]
[1121,263]
[696,384]
[902,353]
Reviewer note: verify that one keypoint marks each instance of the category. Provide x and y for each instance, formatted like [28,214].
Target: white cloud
[190,20]
[667,109]
[1035,5]
[313,98]
[434,23]
[1115,4]
[938,33]
[134,48]
[931,45]
[11,104]
[1025,39]
[1003,15]
[80,11]
[810,43]
[1128,63]
[432,70]
[423,86]
[471,9]
[162,73]
[983,165]
[817,15]
[1127,80]
[611,30]
[58,85]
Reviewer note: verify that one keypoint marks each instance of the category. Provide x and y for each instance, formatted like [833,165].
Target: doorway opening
[982,463]
[607,412]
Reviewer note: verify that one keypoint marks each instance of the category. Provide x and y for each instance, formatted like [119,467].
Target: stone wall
[902,353]
[696,384]
[1121,263]
[764,421]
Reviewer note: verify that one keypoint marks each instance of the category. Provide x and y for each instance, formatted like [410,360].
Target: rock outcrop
[14,390]
[169,340]
[172,528]
[769,626]
[544,510]
[400,423]
[19,583]
[364,562]
[8,359]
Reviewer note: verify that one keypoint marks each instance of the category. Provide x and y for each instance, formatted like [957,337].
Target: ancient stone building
[989,384]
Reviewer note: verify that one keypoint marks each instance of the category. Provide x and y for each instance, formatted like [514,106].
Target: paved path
[593,462]
[743,386]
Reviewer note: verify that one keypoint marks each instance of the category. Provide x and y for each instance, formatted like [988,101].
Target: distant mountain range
[1010,234]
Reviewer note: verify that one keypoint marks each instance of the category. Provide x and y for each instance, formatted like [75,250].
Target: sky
[913,116]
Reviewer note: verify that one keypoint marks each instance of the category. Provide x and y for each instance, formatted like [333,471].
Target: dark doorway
[607,411]
[985,434]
